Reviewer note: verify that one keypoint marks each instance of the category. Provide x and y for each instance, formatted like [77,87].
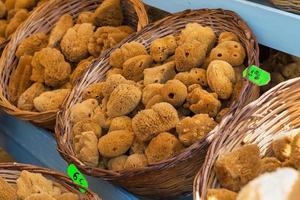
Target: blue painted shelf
[273,27]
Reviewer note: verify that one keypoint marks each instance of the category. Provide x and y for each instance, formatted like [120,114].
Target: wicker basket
[11,172]
[257,123]
[172,177]
[288,5]
[42,20]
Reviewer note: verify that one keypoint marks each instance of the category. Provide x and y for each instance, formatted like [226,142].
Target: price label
[77,177]
[257,76]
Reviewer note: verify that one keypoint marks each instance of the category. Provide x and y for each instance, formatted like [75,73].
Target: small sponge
[136,161]
[174,92]
[192,129]
[163,115]
[220,194]
[117,163]
[115,143]
[7,192]
[237,168]
[162,48]
[123,100]
[163,146]
[159,74]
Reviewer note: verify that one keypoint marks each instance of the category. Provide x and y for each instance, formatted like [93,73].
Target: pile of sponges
[50,64]
[34,186]
[155,103]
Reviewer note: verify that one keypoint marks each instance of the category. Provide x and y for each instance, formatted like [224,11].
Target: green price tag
[77,177]
[257,76]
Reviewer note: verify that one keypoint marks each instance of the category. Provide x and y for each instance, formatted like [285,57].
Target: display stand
[273,27]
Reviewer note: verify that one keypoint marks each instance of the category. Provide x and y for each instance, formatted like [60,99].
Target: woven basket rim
[14,167]
[277,109]
[287,5]
[112,175]
[34,19]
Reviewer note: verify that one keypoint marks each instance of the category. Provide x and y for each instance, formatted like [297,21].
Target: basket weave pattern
[43,19]
[288,5]
[11,172]
[172,177]
[257,123]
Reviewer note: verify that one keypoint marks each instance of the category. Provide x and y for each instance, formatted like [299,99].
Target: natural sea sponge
[3,25]
[112,82]
[193,129]
[26,4]
[220,194]
[163,146]
[86,125]
[295,152]
[221,78]
[11,13]
[85,17]
[25,101]
[123,100]
[221,114]
[20,78]
[230,51]
[174,92]
[269,164]
[100,117]
[162,48]
[93,91]
[126,51]
[109,13]
[3,10]
[150,91]
[80,69]
[135,161]
[237,168]
[74,43]
[150,122]
[50,67]
[67,196]
[64,23]
[50,100]
[10,4]
[106,37]
[200,101]
[291,71]
[228,36]
[83,110]
[195,76]
[40,196]
[189,55]
[115,143]
[282,148]
[85,145]
[154,100]
[137,146]
[120,123]
[113,71]
[32,44]
[195,31]
[14,23]
[7,192]
[133,68]
[117,163]
[281,184]
[32,183]
[159,74]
